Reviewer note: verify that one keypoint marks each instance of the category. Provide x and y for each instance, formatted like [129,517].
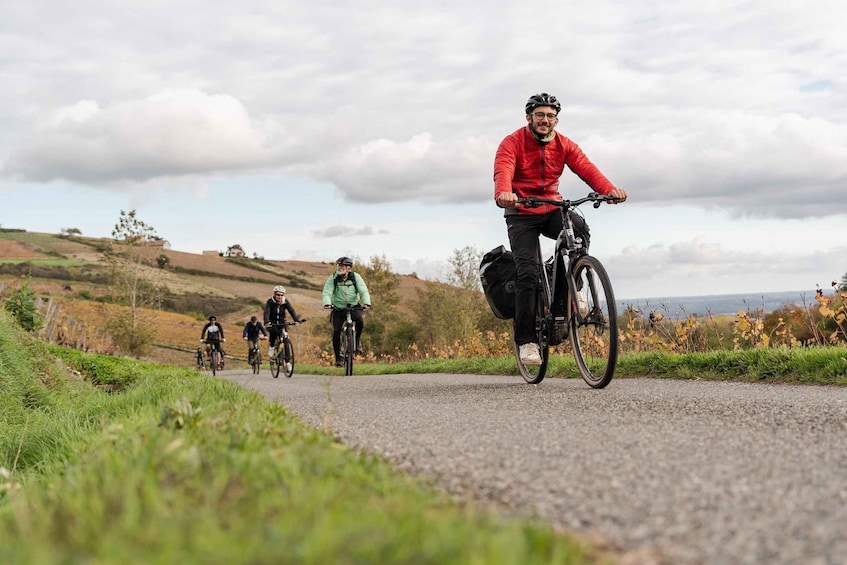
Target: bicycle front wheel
[594,322]
[215,361]
[273,360]
[349,347]
[288,351]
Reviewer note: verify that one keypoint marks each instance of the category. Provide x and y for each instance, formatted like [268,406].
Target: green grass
[818,365]
[49,262]
[173,466]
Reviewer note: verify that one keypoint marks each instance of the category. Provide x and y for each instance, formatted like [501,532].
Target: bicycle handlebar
[595,197]
[270,324]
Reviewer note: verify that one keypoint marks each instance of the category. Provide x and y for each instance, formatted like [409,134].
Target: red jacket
[526,166]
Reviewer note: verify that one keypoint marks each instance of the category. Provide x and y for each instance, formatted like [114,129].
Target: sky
[314,130]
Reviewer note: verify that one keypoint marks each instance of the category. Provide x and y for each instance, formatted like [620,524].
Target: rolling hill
[70,274]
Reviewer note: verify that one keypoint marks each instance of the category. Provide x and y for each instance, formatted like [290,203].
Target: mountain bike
[574,297]
[281,355]
[216,359]
[348,346]
[254,357]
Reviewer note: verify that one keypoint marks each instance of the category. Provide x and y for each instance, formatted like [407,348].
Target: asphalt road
[664,471]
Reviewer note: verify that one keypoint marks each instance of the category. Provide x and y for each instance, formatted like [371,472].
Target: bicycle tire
[594,332]
[273,362]
[534,374]
[214,361]
[257,361]
[288,354]
[349,347]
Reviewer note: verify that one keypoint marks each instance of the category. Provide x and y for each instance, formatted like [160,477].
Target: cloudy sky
[309,130]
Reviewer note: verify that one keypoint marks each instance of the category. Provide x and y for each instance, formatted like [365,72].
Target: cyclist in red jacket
[529,162]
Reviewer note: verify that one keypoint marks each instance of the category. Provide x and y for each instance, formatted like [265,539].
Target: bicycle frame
[560,315]
[347,328]
[278,360]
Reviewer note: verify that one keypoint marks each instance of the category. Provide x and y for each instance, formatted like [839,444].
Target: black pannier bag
[498,275]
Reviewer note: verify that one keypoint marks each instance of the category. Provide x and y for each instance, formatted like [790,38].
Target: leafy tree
[456,309]
[162,261]
[131,284]
[382,286]
[20,303]
[843,286]
[67,232]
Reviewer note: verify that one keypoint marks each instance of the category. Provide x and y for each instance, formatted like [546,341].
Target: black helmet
[347,261]
[212,317]
[542,99]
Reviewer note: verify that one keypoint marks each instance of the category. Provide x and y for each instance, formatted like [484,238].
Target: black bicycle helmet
[344,261]
[542,99]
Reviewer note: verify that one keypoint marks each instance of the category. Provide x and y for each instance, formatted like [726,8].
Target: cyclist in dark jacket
[213,331]
[253,332]
[275,309]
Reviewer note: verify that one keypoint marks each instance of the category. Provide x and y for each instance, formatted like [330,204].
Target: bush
[20,303]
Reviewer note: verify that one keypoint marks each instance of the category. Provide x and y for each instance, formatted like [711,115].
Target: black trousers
[338,317]
[524,233]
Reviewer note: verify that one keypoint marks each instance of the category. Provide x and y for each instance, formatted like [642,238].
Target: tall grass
[814,365]
[174,466]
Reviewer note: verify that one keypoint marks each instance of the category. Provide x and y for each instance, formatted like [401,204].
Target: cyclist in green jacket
[345,287]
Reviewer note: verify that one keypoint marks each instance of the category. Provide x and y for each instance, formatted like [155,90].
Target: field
[62,270]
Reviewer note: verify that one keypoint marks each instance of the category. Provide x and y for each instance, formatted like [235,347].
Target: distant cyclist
[253,332]
[528,163]
[345,287]
[213,332]
[275,310]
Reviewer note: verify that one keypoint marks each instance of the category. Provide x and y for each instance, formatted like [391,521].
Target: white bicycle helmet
[279,288]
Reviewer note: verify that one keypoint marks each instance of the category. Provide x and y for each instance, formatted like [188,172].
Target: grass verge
[818,365]
[175,466]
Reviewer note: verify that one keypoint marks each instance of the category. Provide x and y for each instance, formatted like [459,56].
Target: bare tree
[132,283]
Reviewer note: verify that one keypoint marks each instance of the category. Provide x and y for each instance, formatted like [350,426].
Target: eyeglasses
[279,294]
[542,115]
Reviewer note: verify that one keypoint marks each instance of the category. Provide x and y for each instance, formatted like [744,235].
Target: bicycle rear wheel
[534,374]
[594,323]
[288,352]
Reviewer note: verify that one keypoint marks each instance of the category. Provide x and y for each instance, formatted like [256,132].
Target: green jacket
[340,293]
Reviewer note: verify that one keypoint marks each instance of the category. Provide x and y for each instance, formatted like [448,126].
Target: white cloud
[173,133]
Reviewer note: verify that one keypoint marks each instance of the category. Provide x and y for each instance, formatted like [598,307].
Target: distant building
[161,243]
[236,252]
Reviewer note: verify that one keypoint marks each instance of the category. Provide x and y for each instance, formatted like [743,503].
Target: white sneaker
[288,366]
[530,354]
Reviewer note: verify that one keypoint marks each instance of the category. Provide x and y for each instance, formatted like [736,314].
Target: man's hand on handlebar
[619,196]
[507,199]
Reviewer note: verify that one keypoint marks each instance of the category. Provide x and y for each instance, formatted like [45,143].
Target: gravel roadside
[665,471]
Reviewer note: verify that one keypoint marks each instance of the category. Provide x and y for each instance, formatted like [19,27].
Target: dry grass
[17,250]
